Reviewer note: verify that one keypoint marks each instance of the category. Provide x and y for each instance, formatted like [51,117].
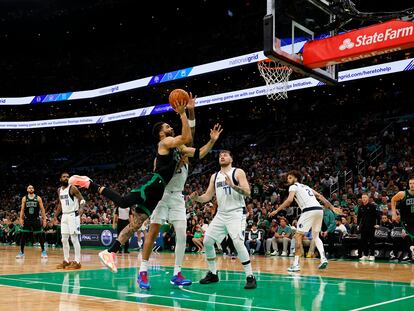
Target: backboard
[288,25]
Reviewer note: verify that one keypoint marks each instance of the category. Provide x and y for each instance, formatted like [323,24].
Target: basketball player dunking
[311,217]
[230,186]
[70,203]
[29,219]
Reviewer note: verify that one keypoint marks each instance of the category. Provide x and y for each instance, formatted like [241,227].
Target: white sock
[180,240]
[66,247]
[248,269]
[319,246]
[296,261]
[144,266]
[76,245]
[212,266]
[177,269]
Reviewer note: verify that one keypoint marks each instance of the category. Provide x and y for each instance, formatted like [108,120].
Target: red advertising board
[387,37]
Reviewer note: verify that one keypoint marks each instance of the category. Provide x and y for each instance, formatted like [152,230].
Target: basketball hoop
[276,76]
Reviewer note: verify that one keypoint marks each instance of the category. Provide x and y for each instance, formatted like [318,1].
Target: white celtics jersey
[69,204]
[304,196]
[178,180]
[228,200]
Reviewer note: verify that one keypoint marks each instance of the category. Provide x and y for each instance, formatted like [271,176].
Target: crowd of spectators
[343,143]
[320,157]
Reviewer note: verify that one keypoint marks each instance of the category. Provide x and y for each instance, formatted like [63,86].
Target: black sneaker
[405,259]
[393,258]
[210,278]
[250,282]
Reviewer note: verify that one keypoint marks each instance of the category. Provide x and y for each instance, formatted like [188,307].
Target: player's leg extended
[108,257]
[316,226]
[152,187]
[74,265]
[211,276]
[66,249]
[236,231]
[321,250]
[298,252]
[158,218]
[74,230]
[65,232]
[180,227]
[41,236]
[150,238]
[22,243]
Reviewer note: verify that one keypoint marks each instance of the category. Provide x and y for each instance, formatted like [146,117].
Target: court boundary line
[97,298]
[383,303]
[304,278]
[308,277]
[134,293]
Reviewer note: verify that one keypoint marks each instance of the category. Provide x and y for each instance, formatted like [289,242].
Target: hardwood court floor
[34,284]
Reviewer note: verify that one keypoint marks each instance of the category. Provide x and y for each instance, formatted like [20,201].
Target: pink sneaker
[81,181]
[109,260]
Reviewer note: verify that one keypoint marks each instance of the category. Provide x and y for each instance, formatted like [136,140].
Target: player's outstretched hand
[273,213]
[215,132]
[194,196]
[192,101]
[180,106]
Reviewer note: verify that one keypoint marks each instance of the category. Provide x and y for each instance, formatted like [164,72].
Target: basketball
[178,95]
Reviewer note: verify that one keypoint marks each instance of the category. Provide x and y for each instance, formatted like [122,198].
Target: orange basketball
[178,95]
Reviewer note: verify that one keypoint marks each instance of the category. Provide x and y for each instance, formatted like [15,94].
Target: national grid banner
[135,84]
[343,76]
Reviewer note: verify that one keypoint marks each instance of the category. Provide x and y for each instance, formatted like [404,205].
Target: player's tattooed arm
[243,187]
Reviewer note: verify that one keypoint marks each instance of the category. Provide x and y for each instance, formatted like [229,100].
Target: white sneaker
[292,254]
[371,258]
[363,258]
[294,268]
[323,264]
[412,251]
[251,251]
[273,253]
[284,254]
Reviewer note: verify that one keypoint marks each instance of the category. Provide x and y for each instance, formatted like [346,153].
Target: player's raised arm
[191,118]
[203,151]
[185,137]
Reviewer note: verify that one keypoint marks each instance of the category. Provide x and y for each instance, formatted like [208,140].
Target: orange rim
[267,61]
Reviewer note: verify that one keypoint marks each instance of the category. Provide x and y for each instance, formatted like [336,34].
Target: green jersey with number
[31,210]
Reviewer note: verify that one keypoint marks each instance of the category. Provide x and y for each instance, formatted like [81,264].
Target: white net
[276,76]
